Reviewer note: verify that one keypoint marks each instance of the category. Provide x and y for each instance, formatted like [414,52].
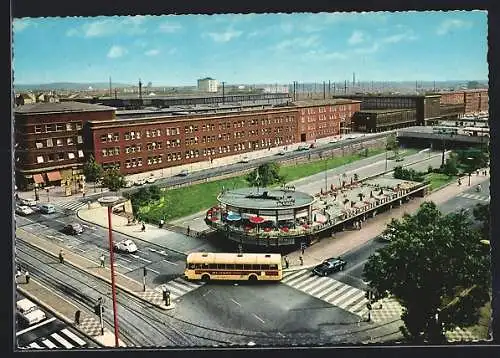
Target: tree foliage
[92,170]
[471,159]
[430,260]
[144,196]
[482,214]
[113,179]
[392,144]
[265,175]
[450,167]
[408,174]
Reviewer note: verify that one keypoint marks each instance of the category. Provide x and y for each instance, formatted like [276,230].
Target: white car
[281,152]
[150,180]
[139,182]
[28,202]
[29,312]
[24,210]
[125,246]
[128,184]
[184,173]
[245,159]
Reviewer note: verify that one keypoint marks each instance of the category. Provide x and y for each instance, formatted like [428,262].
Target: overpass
[425,137]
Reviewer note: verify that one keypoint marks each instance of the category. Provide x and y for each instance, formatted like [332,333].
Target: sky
[176,50]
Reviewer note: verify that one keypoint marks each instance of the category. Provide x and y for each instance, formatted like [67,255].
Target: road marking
[49,344]
[260,319]
[55,238]
[77,248]
[36,326]
[98,248]
[150,269]
[74,337]
[96,235]
[124,259]
[75,239]
[141,258]
[172,263]
[61,340]
[235,302]
[125,267]
[206,293]
[61,222]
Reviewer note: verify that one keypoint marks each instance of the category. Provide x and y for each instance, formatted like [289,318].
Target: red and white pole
[113,287]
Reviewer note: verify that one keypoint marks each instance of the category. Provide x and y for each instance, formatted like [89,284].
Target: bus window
[273,267]
[197,266]
[264,267]
[247,267]
[256,267]
[230,266]
[221,266]
[204,266]
[191,266]
[212,266]
[238,267]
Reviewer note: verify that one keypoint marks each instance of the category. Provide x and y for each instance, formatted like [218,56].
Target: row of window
[58,127]
[53,157]
[59,142]
[257,267]
[326,109]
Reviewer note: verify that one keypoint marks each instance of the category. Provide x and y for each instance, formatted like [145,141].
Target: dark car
[328,266]
[73,229]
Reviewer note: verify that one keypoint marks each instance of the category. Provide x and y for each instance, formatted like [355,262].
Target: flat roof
[60,107]
[323,102]
[253,198]
[385,110]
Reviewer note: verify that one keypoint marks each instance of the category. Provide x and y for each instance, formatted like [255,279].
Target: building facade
[377,120]
[49,144]
[208,85]
[473,101]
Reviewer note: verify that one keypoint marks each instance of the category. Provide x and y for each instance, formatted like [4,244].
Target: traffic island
[123,282]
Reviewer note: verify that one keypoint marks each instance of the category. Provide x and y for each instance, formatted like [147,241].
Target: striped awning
[38,179]
[54,176]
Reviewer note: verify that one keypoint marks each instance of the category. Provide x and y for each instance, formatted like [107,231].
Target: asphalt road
[50,329]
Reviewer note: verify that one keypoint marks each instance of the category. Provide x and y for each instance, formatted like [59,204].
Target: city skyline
[252,48]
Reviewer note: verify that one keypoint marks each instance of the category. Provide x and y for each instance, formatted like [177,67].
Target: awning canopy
[54,176]
[38,179]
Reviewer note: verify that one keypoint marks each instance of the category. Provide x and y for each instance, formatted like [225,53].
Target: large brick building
[49,144]
[474,101]
[377,120]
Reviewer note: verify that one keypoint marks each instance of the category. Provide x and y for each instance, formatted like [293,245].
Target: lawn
[177,203]
[437,179]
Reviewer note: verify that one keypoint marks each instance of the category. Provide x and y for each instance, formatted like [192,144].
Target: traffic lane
[262,307]
[467,203]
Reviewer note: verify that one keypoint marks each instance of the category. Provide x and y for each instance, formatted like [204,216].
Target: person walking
[287,264]
[188,230]
[102,260]
[61,256]
[162,222]
[301,259]
[77,317]
[303,248]
[27,277]
[143,227]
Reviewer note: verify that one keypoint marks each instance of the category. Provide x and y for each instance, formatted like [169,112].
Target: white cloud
[365,50]
[169,27]
[131,25]
[406,36]
[152,52]
[451,24]
[116,51]
[21,24]
[224,36]
[297,42]
[357,37]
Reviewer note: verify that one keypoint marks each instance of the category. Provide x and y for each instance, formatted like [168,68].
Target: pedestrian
[77,317]
[27,276]
[61,257]
[162,222]
[143,228]
[83,193]
[17,196]
[188,230]
[477,172]
[301,259]
[18,272]
[287,264]
[459,182]
[303,248]
[102,260]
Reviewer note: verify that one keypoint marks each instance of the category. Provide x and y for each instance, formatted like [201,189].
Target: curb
[121,287]
[60,316]
[128,235]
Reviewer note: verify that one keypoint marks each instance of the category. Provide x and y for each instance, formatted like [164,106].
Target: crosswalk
[479,197]
[72,205]
[179,287]
[327,289]
[64,339]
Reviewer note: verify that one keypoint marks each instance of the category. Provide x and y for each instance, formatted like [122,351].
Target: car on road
[303,147]
[47,208]
[27,202]
[28,312]
[245,159]
[350,137]
[24,210]
[150,180]
[140,182]
[128,184]
[184,173]
[125,246]
[73,229]
[329,266]
[281,152]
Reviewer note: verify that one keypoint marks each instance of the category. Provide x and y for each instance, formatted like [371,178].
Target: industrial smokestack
[324,90]
[345,87]
[354,79]
[140,89]
[329,88]
[110,87]
[223,93]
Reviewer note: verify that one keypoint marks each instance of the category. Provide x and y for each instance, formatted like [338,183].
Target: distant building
[275,89]
[208,85]
[25,98]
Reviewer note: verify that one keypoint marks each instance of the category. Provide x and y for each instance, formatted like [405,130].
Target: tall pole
[223,93]
[326,175]
[385,159]
[112,264]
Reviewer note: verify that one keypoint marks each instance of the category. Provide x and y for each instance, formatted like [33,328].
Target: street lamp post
[470,167]
[385,159]
[326,175]
[109,202]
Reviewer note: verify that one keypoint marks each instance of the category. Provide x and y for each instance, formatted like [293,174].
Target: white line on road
[235,302]
[36,326]
[98,248]
[75,239]
[150,269]
[59,221]
[141,258]
[94,234]
[172,263]
[124,259]
[55,237]
[206,293]
[125,267]
[81,250]
[260,319]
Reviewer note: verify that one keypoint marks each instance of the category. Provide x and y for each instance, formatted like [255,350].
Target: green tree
[113,179]
[265,175]
[471,159]
[392,144]
[473,84]
[430,260]
[451,166]
[408,174]
[482,214]
[92,170]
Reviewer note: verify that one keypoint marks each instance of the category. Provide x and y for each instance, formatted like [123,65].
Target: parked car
[151,180]
[28,202]
[245,159]
[329,266]
[140,182]
[73,229]
[29,312]
[128,184]
[47,208]
[281,152]
[184,173]
[125,246]
[24,210]
[303,147]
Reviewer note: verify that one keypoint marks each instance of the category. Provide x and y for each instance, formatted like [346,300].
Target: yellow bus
[208,266]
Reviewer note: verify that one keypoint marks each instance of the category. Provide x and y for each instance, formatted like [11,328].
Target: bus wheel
[252,278]
[205,278]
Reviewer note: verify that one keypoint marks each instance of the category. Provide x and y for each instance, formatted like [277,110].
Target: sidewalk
[349,240]
[123,282]
[63,309]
